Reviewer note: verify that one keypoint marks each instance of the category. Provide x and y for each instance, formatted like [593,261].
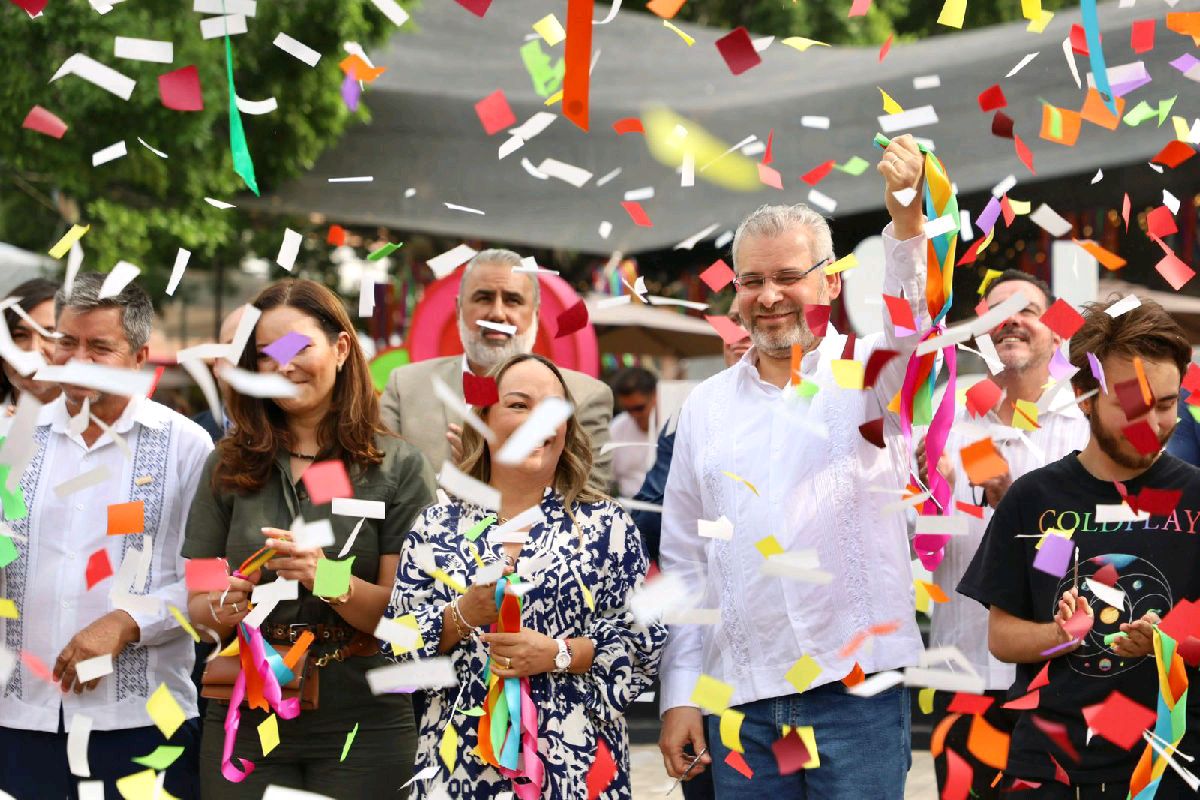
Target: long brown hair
[575,463]
[259,429]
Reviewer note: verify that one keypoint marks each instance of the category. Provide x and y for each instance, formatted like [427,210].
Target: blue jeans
[863,743]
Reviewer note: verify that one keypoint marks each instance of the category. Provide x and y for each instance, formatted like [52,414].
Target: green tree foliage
[141,207]
[828,20]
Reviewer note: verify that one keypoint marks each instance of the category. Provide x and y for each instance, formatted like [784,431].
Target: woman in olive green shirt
[249,497]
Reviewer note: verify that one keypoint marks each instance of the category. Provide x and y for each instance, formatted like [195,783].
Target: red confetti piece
[1161,222]
[859,8]
[37,666]
[817,318]
[179,90]
[494,113]
[1002,125]
[1041,679]
[206,574]
[1159,502]
[958,777]
[966,703]
[628,125]
[992,98]
[1026,702]
[1191,379]
[476,7]
[1125,209]
[767,156]
[1141,35]
[729,331]
[1174,154]
[43,121]
[900,312]
[875,364]
[1062,319]
[1079,40]
[887,46]
[969,508]
[573,319]
[602,771]
[790,753]
[1142,437]
[872,431]
[1007,210]
[578,58]
[738,51]
[32,7]
[982,397]
[98,568]
[1120,720]
[1024,153]
[637,213]
[718,276]
[738,762]
[158,373]
[480,392]
[769,176]
[817,174]
[337,235]
[326,480]
[1057,733]
[1174,271]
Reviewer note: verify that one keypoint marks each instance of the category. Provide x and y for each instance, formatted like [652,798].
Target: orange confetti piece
[937,742]
[1096,111]
[855,677]
[356,68]
[1109,259]
[987,743]
[298,650]
[982,461]
[1143,384]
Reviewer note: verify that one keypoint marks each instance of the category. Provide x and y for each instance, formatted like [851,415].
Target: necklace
[302,457]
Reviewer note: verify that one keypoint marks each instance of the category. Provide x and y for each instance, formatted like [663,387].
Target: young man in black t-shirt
[1086,617]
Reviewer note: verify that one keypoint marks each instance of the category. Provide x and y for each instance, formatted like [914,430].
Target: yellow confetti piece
[232,649]
[142,786]
[409,621]
[890,106]
[687,39]
[441,575]
[8,609]
[711,694]
[1038,25]
[803,673]
[671,137]
[740,479]
[69,238]
[550,29]
[268,734]
[1053,532]
[165,711]
[731,729]
[925,700]
[847,373]
[448,749]
[922,597]
[183,623]
[1025,416]
[801,44]
[988,277]
[1182,132]
[952,14]
[1020,207]
[587,594]
[810,744]
[768,546]
[842,264]
[475,554]
[554,98]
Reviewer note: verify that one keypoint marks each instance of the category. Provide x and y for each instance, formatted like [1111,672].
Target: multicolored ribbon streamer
[259,683]
[916,396]
[508,726]
[1172,718]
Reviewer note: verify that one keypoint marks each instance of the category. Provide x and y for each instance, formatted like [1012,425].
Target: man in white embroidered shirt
[1025,348]
[812,471]
[71,608]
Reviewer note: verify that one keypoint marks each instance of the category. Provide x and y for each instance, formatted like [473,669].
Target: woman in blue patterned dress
[585,656]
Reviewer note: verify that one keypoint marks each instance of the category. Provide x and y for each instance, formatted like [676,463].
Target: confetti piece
[577,58]
[842,264]
[571,320]
[98,74]
[163,756]
[78,734]
[711,694]
[602,771]
[268,734]
[982,461]
[952,14]
[494,113]
[1062,318]
[803,673]
[179,90]
[637,213]
[1174,271]
[887,46]
[738,51]
[688,40]
[722,165]
[1109,259]
[349,741]
[1141,35]
[717,276]
[476,7]
[126,518]
[550,29]
[183,623]
[1054,557]
[46,122]
[206,574]
[243,163]
[326,480]
[69,238]
[666,9]
[333,576]
[992,98]
[729,331]
[628,125]
[739,478]
[165,711]
[297,49]
[1174,154]
[817,174]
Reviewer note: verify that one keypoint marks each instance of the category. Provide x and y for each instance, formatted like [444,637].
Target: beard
[1113,446]
[487,354]
[778,343]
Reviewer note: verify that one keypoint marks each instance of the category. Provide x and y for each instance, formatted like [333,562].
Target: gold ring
[507,662]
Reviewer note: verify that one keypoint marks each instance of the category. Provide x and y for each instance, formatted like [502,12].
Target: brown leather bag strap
[362,644]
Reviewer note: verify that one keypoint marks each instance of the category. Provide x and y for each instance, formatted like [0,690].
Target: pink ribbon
[532,767]
[272,693]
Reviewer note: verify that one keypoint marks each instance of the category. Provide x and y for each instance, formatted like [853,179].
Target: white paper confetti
[297,49]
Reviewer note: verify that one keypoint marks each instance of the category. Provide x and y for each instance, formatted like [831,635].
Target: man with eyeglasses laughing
[781,643]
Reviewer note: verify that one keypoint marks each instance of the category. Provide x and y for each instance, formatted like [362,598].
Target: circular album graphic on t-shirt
[1119,588]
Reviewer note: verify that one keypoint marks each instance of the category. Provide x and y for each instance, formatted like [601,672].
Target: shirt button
[79,506]
[71,555]
[66,603]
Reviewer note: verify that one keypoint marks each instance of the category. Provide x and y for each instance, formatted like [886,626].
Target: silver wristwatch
[562,661]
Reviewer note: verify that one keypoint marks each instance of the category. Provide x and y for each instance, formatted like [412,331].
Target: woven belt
[325,634]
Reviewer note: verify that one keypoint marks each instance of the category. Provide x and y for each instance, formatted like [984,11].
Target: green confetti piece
[384,251]
[1112,637]
[1056,123]
[479,528]
[855,166]
[547,78]
[1164,108]
[473,712]
[162,757]
[8,551]
[1140,113]
[349,741]
[807,389]
[12,503]
[882,142]
[333,577]
[243,164]
[1195,411]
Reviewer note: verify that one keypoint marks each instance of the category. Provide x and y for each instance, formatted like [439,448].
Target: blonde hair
[574,465]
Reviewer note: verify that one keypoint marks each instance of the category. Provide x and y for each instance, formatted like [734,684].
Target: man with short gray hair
[497,314]
[774,451]
[98,578]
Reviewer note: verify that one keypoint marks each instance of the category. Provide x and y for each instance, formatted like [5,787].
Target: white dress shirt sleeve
[903,276]
[682,553]
[192,449]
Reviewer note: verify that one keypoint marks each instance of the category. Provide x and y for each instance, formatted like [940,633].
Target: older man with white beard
[490,294]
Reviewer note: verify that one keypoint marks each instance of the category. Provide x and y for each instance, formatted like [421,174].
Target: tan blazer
[411,409]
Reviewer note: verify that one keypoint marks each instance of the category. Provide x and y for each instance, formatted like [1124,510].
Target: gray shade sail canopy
[425,134]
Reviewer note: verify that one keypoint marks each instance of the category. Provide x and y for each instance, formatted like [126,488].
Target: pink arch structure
[434,330]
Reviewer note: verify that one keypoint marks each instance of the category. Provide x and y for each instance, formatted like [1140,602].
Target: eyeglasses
[751,283]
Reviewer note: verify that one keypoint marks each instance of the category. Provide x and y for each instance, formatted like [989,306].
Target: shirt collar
[139,410]
[830,347]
